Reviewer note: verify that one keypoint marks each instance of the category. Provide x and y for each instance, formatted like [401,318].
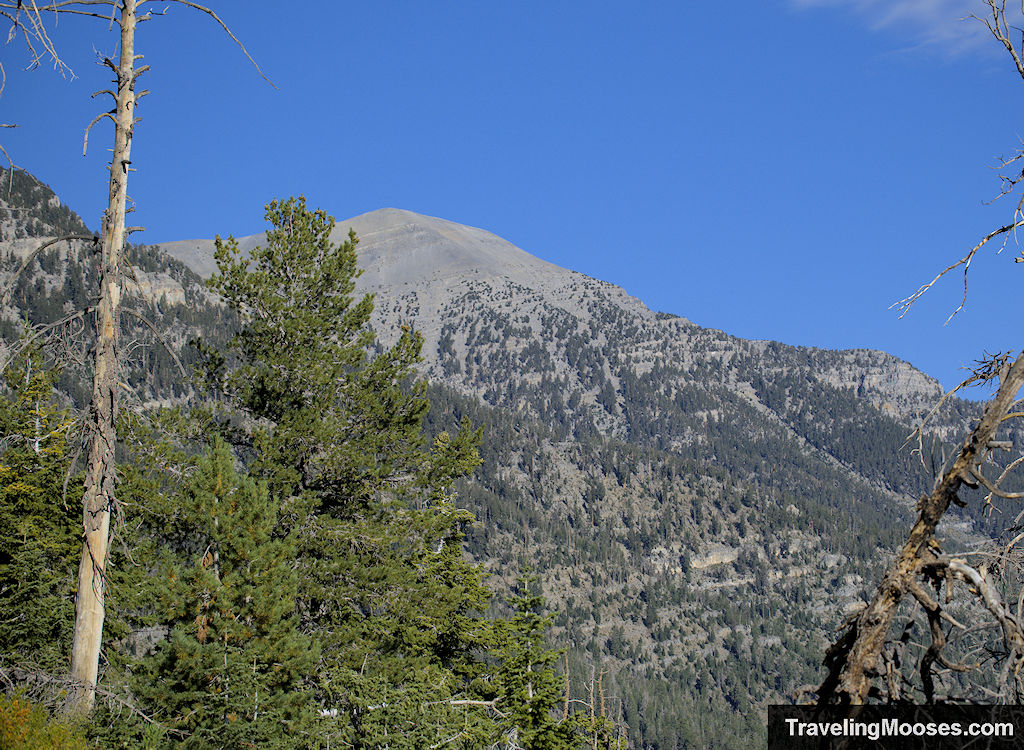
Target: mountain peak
[440,276]
[399,247]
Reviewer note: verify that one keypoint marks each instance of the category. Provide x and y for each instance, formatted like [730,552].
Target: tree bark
[98,499]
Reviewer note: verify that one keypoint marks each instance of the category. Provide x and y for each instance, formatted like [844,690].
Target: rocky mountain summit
[439,276]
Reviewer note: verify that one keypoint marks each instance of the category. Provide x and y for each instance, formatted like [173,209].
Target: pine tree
[338,434]
[231,673]
[328,419]
[39,529]
[529,691]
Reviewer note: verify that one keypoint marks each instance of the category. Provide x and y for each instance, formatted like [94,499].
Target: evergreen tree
[39,531]
[529,691]
[327,419]
[338,434]
[231,673]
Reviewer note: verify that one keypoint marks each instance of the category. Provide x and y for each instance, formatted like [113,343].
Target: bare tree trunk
[98,501]
[100,471]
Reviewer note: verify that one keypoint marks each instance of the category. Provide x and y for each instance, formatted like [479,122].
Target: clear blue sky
[781,169]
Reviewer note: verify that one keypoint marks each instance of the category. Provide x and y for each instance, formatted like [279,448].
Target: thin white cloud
[943,23]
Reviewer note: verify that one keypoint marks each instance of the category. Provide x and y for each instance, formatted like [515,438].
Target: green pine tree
[325,418]
[337,432]
[530,693]
[232,672]
[40,531]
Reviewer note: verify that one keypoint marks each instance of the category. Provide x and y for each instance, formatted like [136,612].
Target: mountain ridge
[426,260]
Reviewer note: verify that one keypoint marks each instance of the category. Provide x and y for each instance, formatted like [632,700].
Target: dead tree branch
[994,488]
[905,304]
[25,343]
[96,119]
[853,660]
[48,685]
[228,31]
[160,338]
[28,23]
[999,27]
[10,162]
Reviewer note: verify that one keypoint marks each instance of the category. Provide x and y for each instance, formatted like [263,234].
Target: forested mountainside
[59,283]
[702,511]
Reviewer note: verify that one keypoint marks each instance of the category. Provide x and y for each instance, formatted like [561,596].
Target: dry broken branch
[48,688]
[160,338]
[985,371]
[10,162]
[854,661]
[215,17]
[28,23]
[25,343]
[993,488]
[96,119]
[905,304]
[999,27]
[993,602]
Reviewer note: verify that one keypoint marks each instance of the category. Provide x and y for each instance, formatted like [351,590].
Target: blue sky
[782,169]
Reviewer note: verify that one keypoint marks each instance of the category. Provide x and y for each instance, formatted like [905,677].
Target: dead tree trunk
[854,660]
[98,501]
[100,477]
